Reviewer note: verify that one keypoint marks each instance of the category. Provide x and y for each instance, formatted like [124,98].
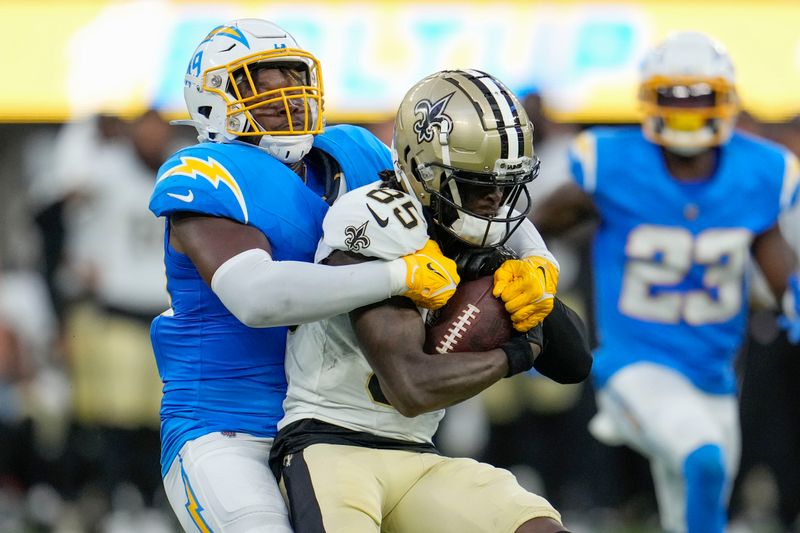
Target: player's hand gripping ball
[527,286]
[472,321]
[431,277]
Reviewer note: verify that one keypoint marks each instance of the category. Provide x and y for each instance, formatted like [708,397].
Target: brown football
[472,321]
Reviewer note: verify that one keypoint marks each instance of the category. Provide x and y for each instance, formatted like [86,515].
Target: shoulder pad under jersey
[360,153]
[376,222]
[596,152]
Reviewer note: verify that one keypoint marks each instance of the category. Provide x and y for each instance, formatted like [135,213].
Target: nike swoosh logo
[183,197]
[433,269]
[382,222]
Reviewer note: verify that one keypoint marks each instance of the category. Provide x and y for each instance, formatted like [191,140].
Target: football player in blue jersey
[683,204]
[244,211]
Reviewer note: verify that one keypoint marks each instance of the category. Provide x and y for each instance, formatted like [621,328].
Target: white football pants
[220,483]
[661,414]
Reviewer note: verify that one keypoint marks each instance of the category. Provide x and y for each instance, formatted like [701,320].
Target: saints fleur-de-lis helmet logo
[430,115]
[356,239]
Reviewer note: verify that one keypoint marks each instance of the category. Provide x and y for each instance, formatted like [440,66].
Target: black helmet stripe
[491,101]
[454,81]
[516,127]
[473,76]
[505,113]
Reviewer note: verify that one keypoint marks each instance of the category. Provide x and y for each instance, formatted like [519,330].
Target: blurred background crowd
[81,273]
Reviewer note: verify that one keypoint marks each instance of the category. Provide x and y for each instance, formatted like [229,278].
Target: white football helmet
[688,93]
[227,58]
[458,131]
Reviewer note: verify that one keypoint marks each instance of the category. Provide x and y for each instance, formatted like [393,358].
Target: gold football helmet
[462,131]
[688,93]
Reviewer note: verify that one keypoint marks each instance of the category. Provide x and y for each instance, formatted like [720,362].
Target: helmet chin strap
[687,143]
[686,151]
[443,140]
[287,149]
[480,232]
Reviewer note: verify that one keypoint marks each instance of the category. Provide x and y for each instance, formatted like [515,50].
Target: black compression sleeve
[519,353]
[566,356]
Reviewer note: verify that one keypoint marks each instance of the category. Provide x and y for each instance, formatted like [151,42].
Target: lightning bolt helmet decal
[228,31]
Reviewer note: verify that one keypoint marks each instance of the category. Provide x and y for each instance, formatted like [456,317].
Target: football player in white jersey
[354,451]
[683,203]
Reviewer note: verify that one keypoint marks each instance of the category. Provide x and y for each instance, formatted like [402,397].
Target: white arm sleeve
[527,241]
[263,293]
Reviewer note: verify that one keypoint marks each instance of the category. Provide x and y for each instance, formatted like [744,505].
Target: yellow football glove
[431,277]
[524,286]
[548,270]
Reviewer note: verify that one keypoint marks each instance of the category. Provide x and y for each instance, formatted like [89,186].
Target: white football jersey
[329,376]
[117,235]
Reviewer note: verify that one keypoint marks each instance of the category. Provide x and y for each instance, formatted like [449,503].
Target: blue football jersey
[218,374]
[670,258]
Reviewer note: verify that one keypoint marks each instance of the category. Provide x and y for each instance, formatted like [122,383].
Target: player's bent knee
[541,525]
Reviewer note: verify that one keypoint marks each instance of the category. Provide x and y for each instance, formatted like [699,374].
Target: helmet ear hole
[406,151]
[204,110]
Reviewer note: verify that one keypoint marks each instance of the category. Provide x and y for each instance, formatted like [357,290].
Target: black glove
[474,263]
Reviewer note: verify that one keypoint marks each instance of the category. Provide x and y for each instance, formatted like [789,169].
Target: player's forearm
[425,382]
[775,258]
[261,292]
[391,336]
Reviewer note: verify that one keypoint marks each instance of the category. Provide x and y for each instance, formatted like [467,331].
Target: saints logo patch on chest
[356,237]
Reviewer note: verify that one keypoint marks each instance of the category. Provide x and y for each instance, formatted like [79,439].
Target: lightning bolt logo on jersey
[211,170]
[218,374]
[672,288]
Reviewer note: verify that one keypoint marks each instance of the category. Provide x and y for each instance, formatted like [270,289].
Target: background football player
[244,210]
[683,203]
[355,448]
